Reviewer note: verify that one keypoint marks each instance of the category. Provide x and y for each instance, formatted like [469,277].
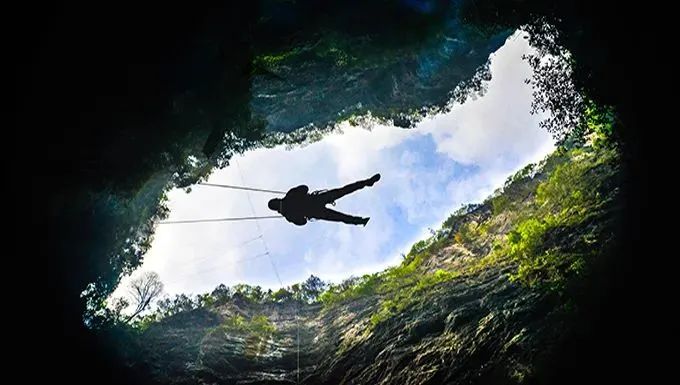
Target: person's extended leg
[336,216]
[337,193]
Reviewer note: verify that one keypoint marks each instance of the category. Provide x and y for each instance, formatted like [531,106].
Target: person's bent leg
[336,216]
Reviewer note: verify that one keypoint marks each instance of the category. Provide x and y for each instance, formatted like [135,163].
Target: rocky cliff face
[484,328]
[339,75]
[162,105]
[464,307]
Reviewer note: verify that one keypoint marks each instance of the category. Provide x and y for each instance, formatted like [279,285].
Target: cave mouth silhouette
[112,76]
[413,160]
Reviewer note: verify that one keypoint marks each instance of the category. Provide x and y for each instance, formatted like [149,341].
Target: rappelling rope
[221,265]
[297,324]
[261,237]
[276,271]
[241,188]
[232,219]
[209,256]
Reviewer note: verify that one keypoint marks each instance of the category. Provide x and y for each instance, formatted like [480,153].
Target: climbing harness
[319,192]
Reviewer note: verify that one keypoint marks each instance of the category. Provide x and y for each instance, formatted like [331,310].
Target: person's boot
[373,179]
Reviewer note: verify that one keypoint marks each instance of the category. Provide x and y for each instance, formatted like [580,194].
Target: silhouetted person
[299,205]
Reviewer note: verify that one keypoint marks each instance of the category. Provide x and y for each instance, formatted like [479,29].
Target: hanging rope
[229,219]
[261,237]
[242,188]
[297,324]
[220,266]
[276,272]
[217,220]
[200,260]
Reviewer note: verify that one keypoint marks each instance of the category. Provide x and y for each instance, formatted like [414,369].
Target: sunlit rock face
[485,326]
[447,339]
[343,73]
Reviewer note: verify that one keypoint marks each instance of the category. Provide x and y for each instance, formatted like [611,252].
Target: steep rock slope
[492,297]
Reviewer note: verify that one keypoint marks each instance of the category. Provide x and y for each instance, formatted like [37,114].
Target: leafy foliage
[455,218]
[258,324]
[554,91]
[255,330]
[543,202]
[575,192]
[398,286]
[181,303]
[308,291]
[312,288]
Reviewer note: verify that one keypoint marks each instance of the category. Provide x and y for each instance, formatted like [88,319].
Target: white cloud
[427,173]
[496,129]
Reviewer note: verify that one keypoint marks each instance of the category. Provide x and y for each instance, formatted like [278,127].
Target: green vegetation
[255,331]
[454,219]
[552,211]
[574,194]
[397,286]
[565,195]
[330,47]
[308,292]
[576,190]
[406,291]
[547,221]
[599,124]
[257,325]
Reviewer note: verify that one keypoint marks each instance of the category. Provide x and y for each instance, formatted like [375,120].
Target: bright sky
[427,172]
